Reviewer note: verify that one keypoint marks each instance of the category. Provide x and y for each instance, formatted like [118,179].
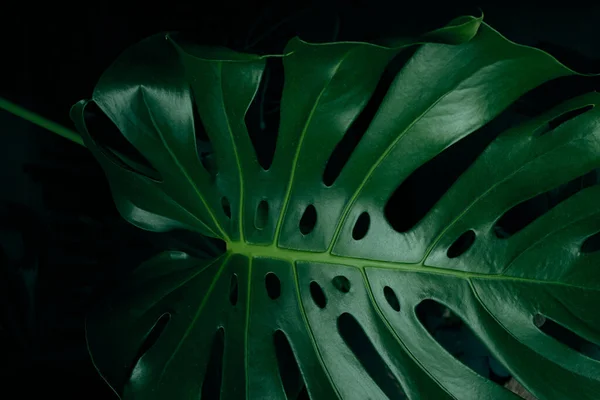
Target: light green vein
[235,152]
[490,189]
[183,170]
[540,240]
[518,340]
[176,204]
[387,151]
[508,332]
[311,335]
[180,284]
[197,314]
[388,325]
[169,200]
[291,255]
[363,183]
[294,165]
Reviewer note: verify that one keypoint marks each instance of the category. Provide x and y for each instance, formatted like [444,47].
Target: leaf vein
[183,170]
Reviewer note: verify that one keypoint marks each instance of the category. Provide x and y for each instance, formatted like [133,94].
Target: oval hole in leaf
[226,206]
[262,215]
[273,285]
[341,283]
[456,337]
[462,244]
[391,298]
[361,227]
[567,337]
[418,193]
[149,341]
[233,290]
[524,213]
[561,119]
[114,145]
[318,295]
[262,117]
[213,375]
[203,145]
[289,372]
[345,147]
[591,244]
[359,343]
[308,220]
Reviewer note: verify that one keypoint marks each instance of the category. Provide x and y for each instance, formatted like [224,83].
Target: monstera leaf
[318,295]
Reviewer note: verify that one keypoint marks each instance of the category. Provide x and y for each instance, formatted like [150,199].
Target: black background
[52,57]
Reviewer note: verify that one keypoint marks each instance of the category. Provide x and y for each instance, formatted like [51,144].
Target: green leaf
[334,309]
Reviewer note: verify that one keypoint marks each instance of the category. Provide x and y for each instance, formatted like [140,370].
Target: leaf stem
[40,121]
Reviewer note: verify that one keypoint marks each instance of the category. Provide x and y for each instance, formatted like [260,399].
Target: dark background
[62,238]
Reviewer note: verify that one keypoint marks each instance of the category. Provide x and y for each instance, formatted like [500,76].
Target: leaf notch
[149,341]
[567,337]
[289,371]
[213,376]
[354,134]
[562,119]
[359,343]
[523,214]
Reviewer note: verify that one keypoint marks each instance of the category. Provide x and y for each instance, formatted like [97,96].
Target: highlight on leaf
[393,216]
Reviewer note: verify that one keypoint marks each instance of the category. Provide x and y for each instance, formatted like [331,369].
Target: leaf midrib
[298,256]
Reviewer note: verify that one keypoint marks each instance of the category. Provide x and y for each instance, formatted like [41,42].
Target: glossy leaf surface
[307,302]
